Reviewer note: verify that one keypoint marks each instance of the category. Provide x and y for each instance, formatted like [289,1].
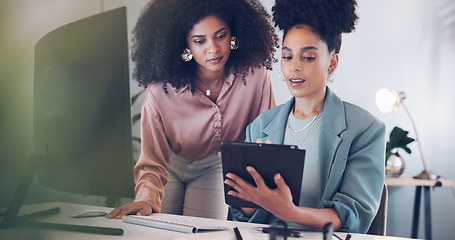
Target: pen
[238,236]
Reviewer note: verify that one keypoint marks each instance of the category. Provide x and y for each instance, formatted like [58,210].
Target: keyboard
[177,223]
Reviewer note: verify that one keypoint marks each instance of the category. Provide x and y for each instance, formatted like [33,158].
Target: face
[306,62]
[209,41]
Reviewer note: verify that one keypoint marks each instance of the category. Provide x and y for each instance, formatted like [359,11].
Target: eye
[221,36]
[309,59]
[287,58]
[199,41]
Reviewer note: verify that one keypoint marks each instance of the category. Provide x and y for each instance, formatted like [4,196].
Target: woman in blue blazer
[345,145]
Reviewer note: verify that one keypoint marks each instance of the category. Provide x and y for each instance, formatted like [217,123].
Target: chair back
[378,226]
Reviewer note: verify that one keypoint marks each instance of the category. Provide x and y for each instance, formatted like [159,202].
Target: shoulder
[258,75]
[154,90]
[342,114]
[156,96]
[159,90]
[360,116]
[273,114]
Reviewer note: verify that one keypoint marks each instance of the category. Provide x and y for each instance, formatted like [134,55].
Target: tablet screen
[267,159]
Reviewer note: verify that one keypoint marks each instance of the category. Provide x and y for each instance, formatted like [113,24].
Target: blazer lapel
[276,129]
[333,124]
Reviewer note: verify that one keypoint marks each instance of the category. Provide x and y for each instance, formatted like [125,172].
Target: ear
[333,62]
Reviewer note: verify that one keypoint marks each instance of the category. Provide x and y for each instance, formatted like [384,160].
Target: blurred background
[405,44]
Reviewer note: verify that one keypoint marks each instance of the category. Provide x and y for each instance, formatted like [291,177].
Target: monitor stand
[11,220]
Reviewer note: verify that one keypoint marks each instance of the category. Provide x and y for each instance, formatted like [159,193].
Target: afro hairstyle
[328,18]
[159,38]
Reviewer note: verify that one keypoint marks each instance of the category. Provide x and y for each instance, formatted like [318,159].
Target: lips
[295,82]
[215,60]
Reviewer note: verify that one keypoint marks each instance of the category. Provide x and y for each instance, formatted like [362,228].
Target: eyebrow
[302,49]
[222,29]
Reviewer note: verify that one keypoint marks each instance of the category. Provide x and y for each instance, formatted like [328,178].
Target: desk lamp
[388,100]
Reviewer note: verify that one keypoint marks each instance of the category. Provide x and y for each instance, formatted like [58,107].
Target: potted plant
[394,162]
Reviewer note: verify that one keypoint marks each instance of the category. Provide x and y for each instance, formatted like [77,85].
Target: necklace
[303,129]
[317,118]
[207,92]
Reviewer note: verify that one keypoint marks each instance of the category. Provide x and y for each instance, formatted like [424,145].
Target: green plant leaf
[136,118]
[137,139]
[135,97]
[398,139]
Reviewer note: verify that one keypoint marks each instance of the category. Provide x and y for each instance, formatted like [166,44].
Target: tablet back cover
[267,159]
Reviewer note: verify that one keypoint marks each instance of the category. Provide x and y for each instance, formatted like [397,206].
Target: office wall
[405,44]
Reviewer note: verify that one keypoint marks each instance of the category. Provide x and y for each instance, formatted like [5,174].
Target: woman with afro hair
[204,66]
[345,145]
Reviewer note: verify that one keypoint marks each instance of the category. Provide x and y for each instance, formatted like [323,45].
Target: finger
[244,196]
[258,141]
[114,213]
[268,141]
[144,212]
[237,183]
[123,213]
[256,176]
[280,183]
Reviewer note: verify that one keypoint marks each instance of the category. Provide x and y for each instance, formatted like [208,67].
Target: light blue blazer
[351,153]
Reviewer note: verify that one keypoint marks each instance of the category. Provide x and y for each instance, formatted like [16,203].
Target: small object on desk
[281,231]
[39,214]
[73,228]
[174,223]
[84,213]
[327,231]
[348,236]
[238,236]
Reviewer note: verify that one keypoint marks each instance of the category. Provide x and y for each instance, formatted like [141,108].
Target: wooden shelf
[410,181]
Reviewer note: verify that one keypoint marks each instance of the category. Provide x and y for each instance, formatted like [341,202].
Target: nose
[295,65]
[212,47]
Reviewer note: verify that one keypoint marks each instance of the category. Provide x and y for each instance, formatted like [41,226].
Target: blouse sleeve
[151,170]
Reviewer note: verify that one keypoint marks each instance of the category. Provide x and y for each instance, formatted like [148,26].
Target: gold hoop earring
[234,43]
[186,55]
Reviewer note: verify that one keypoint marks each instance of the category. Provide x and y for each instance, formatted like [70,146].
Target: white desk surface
[131,231]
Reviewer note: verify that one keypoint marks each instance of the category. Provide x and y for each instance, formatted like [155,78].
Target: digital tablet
[267,159]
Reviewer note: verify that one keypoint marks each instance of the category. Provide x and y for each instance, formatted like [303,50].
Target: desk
[419,184]
[131,231]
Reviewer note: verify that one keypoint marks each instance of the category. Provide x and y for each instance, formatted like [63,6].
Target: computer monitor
[82,109]
[82,117]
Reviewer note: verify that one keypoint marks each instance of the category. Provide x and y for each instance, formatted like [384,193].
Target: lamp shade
[388,99]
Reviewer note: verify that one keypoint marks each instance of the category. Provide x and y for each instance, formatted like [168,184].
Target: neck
[209,77]
[307,107]
[210,84]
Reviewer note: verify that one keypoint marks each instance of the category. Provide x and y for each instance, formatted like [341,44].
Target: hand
[266,141]
[277,201]
[140,208]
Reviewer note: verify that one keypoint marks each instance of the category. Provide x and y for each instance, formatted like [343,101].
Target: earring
[330,77]
[186,55]
[234,43]
[280,75]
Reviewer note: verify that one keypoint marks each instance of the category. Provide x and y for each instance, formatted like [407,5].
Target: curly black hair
[328,18]
[159,38]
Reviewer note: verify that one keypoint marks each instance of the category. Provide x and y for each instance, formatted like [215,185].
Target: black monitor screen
[82,118]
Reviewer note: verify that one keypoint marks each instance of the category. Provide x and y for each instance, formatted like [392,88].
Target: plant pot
[394,166]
